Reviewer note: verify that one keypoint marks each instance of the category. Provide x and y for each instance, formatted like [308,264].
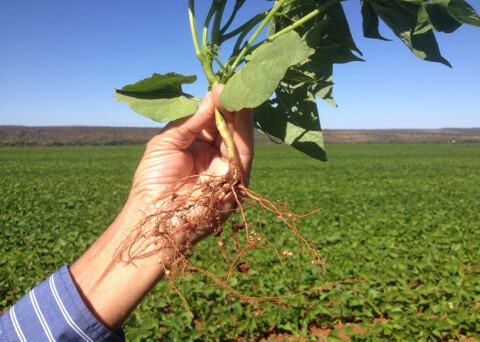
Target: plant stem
[212,80]
[210,14]
[295,25]
[222,67]
[228,140]
[300,22]
[202,57]
[265,21]
[251,24]
[259,17]
[193,28]
[216,35]
[238,5]
[192,97]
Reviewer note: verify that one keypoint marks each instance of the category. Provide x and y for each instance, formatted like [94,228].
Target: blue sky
[60,61]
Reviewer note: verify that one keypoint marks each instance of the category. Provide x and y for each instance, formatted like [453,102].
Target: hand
[185,154]
[193,146]
[110,287]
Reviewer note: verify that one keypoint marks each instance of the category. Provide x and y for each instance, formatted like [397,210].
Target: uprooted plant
[279,77]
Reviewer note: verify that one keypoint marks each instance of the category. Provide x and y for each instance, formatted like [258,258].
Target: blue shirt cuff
[54,311]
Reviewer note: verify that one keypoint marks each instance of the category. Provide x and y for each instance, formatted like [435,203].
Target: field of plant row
[402,219]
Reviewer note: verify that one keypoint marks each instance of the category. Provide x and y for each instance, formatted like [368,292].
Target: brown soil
[323,331]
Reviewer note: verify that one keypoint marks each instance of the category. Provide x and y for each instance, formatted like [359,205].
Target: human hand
[111,287]
[187,153]
[192,147]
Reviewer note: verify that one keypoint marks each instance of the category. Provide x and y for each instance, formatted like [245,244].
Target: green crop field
[404,219]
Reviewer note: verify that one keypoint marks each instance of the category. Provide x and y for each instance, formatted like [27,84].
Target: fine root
[183,217]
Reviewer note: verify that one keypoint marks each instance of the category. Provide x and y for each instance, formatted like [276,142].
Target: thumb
[181,133]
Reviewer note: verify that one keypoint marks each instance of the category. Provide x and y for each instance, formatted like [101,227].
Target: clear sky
[61,60]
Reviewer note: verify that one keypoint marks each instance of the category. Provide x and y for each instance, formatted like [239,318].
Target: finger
[243,139]
[181,133]
[243,123]
[209,135]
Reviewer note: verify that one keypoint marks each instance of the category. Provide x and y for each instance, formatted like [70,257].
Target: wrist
[110,286]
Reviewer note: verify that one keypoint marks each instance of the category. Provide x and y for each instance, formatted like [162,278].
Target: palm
[192,147]
[163,168]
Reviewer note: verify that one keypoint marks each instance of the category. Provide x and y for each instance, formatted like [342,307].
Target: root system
[183,217]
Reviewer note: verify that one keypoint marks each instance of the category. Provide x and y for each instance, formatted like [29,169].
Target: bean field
[400,225]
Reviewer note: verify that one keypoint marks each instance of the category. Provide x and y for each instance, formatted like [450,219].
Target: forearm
[110,287]
[185,166]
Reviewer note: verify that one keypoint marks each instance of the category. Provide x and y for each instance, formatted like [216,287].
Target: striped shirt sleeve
[54,311]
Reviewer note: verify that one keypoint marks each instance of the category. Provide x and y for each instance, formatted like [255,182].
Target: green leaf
[463,12]
[425,47]
[370,21]
[292,13]
[328,33]
[402,17]
[331,38]
[292,116]
[160,110]
[440,17]
[295,76]
[196,334]
[254,83]
[166,85]
[424,23]
[435,15]
[348,330]
[159,97]
[323,85]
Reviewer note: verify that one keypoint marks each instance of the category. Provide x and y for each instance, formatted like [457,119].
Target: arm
[112,288]
[94,296]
